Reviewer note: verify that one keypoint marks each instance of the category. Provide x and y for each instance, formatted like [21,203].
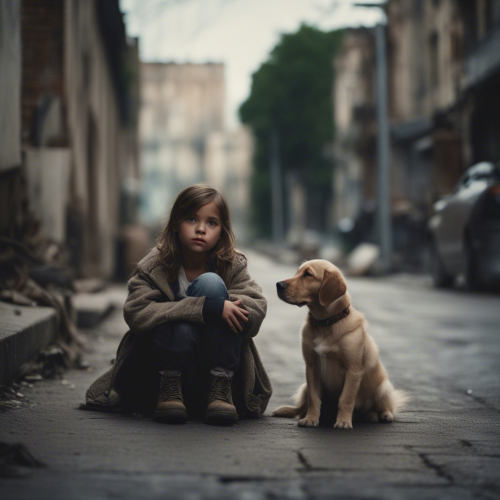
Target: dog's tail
[401,399]
[300,409]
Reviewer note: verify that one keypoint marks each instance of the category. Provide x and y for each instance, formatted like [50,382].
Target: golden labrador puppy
[342,359]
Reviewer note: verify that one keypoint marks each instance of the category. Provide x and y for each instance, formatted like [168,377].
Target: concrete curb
[91,308]
[24,331]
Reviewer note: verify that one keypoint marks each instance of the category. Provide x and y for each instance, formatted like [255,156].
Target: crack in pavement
[303,460]
[435,467]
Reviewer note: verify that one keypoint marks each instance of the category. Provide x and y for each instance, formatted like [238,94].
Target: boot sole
[170,417]
[221,418]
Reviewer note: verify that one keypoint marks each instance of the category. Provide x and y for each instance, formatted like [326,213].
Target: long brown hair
[187,203]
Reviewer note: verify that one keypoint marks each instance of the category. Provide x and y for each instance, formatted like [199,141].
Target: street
[442,347]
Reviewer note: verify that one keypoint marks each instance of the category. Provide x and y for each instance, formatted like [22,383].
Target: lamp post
[384,228]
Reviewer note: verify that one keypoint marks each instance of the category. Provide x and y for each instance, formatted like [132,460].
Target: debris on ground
[26,279]
[362,259]
[15,455]
[11,398]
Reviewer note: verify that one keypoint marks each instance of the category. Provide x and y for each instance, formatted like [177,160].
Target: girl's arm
[245,288]
[146,308]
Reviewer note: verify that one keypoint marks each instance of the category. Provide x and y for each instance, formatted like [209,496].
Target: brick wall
[42,39]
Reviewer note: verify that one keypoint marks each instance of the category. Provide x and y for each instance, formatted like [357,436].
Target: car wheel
[472,278]
[440,277]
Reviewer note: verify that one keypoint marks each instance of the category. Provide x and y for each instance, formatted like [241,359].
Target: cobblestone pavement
[442,347]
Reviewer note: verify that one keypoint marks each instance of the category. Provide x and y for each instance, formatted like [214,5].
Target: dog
[342,359]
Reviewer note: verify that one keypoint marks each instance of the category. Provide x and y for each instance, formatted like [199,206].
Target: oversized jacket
[151,302]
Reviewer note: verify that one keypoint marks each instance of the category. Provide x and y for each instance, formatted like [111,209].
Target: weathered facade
[444,105]
[77,116]
[181,105]
[425,41]
[10,83]
[184,139]
[479,108]
[228,166]
[355,125]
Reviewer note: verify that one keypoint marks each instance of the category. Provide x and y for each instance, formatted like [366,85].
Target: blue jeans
[185,346]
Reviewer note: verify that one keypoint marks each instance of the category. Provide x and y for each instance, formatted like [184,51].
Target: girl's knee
[185,329]
[208,285]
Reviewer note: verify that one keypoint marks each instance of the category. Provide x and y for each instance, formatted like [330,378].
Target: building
[443,76]
[185,141]
[72,76]
[479,107]
[355,124]
[425,40]
[228,166]
[181,105]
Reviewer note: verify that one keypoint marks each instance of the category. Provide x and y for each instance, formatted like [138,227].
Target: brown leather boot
[220,409]
[170,406]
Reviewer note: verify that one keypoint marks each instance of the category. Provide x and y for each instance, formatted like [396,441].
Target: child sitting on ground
[192,310]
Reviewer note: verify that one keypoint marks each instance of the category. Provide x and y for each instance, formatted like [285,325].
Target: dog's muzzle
[281,287]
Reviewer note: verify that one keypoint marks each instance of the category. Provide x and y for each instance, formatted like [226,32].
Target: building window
[456,47]
[434,59]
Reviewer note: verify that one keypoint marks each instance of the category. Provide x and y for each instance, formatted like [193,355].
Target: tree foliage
[291,94]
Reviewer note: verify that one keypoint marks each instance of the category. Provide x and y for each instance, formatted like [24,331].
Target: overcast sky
[239,33]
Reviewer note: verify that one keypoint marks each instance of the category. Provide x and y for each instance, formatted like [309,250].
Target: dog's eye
[307,274]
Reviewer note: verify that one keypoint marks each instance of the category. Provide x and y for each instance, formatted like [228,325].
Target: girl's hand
[235,316]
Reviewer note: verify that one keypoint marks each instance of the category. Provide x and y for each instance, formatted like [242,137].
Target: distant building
[425,40]
[229,167]
[181,105]
[479,107]
[355,125]
[184,139]
[444,104]
[69,77]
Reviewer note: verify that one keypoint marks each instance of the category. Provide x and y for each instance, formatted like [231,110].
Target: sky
[239,33]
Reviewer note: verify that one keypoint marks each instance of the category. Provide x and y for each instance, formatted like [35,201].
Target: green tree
[291,95]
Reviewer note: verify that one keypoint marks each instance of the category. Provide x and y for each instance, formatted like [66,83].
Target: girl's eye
[191,219]
[306,273]
[213,223]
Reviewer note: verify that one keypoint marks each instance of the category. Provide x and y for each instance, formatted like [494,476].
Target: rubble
[15,455]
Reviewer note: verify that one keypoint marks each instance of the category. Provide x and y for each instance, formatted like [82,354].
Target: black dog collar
[332,320]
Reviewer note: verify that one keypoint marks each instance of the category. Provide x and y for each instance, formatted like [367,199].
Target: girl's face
[200,231]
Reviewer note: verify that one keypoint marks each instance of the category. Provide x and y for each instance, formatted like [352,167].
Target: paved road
[442,347]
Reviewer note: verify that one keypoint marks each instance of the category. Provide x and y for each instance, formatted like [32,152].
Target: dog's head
[316,282]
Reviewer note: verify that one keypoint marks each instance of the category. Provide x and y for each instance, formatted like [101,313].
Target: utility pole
[276,190]
[384,226]
[383,178]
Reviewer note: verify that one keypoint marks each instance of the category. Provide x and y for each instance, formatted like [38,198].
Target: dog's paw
[386,417]
[343,424]
[308,422]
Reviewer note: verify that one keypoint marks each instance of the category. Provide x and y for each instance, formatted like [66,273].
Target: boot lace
[221,389]
[170,388]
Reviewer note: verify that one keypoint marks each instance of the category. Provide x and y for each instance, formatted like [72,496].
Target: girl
[192,310]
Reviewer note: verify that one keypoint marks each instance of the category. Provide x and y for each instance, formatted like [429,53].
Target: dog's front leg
[348,399]
[313,398]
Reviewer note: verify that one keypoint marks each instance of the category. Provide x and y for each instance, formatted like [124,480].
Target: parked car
[465,230]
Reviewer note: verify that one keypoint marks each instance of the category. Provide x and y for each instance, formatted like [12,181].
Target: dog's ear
[332,288]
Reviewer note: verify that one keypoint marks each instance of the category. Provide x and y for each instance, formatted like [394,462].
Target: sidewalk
[26,330]
[440,346]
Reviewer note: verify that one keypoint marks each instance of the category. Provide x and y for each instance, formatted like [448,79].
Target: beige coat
[150,302]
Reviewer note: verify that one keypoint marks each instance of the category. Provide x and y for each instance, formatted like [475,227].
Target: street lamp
[384,227]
